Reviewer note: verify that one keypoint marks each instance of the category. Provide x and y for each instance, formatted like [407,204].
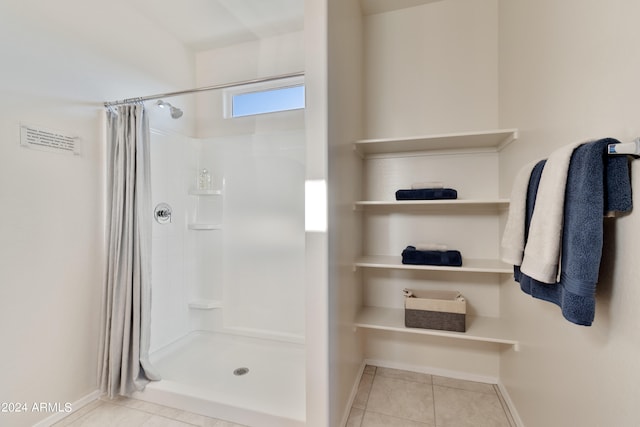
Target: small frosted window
[267,101]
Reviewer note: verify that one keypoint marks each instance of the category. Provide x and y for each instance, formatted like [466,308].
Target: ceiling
[207,24]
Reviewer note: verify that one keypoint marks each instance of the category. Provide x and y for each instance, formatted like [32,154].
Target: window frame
[228,95]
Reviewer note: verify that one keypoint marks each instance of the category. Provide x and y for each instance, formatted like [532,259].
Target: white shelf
[204,226]
[495,140]
[196,192]
[427,203]
[472,265]
[205,304]
[479,328]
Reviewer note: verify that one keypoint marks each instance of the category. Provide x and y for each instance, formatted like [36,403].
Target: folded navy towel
[596,184]
[427,194]
[445,258]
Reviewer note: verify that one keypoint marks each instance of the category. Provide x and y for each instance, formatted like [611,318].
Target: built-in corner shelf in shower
[196,192]
[204,226]
[205,304]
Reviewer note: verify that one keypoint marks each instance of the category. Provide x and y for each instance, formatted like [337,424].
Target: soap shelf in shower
[196,192]
[204,226]
[205,304]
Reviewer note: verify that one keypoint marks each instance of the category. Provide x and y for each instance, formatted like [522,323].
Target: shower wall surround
[172,156]
[247,274]
[233,260]
[264,247]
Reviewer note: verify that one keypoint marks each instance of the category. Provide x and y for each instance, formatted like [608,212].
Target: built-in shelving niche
[479,328]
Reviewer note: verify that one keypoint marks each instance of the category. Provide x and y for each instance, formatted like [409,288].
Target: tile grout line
[433,393]
[73,421]
[366,404]
[152,413]
[405,380]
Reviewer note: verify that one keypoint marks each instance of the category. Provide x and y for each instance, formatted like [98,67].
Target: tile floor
[386,398]
[123,412]
[394,398]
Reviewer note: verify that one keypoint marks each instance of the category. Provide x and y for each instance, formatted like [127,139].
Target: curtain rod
[202,89]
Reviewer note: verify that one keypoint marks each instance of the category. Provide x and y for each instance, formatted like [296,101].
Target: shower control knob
[162,213]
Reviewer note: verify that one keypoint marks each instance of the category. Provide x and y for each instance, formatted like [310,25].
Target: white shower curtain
[126,308]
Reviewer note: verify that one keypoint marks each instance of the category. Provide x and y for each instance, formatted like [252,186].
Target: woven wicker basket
[442,310]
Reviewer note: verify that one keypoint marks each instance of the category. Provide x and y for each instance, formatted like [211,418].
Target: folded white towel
[541,259]
[513,236]
[427,184]
[430,247]
[408,293]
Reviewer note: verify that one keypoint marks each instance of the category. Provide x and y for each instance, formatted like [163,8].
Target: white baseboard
[352,396]
[512,408]
[433,371]
[75,407]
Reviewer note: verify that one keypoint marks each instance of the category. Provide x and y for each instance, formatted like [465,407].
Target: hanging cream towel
[513,236]
[542,252]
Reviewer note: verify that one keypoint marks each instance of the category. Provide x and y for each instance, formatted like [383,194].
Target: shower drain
[240,371]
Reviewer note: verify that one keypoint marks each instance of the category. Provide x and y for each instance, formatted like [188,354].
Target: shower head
[176,113]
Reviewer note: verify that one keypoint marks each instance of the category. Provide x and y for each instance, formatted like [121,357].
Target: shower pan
[250,381]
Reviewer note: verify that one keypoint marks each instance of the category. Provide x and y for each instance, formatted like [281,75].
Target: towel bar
[632,148]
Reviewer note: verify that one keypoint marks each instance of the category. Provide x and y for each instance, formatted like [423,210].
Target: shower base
[198,376]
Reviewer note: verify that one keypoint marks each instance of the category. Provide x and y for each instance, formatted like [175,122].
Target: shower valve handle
[162,213]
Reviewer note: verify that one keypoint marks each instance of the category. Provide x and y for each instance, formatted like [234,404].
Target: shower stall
[230,250]
[234,319]
[228,259]
[228,318]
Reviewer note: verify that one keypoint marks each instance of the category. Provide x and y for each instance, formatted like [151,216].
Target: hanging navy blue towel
[444,258]
[427,194]
[596,184]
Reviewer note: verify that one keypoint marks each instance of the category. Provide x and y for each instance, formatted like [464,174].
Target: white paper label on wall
[48,140]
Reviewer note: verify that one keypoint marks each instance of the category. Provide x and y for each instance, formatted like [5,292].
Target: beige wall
[344,184]
[569,71]
[317,334]
[431,69]
[60,61]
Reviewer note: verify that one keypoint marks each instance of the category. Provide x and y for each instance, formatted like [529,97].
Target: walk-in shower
[228,265]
